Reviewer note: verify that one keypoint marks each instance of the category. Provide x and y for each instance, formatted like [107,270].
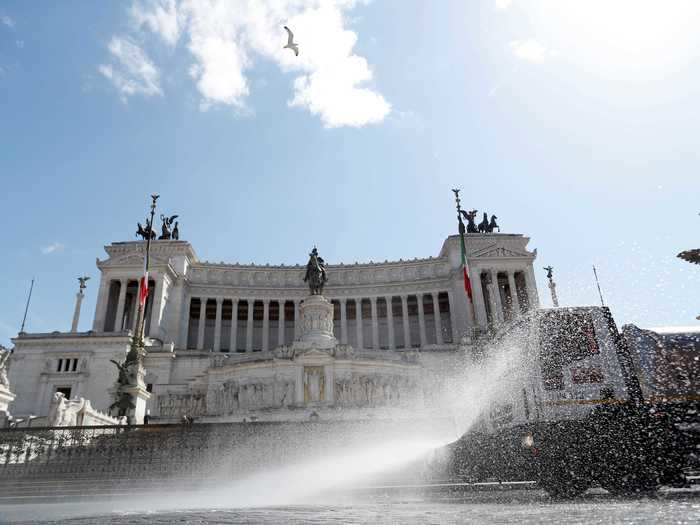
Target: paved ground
[482,504]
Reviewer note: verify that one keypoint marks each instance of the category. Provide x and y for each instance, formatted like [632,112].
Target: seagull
[290,42]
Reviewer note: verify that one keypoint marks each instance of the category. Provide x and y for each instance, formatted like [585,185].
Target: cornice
[330,292]
[282,278]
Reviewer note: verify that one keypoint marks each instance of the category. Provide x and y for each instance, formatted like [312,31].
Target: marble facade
[232,341]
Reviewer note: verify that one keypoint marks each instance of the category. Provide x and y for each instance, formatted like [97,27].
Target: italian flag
[143,284]
[465,269]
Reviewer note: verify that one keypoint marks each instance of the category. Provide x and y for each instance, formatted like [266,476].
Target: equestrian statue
[315,273]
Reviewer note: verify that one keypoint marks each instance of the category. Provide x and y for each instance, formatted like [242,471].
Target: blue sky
[574,122]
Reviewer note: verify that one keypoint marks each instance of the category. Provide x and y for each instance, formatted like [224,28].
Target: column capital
[343,300]
[266,302]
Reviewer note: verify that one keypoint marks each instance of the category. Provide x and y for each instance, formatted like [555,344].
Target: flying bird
[290,42]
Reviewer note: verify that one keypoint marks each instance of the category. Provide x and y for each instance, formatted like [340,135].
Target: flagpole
[602,303]
[137,345]
[463,249]
[26,308]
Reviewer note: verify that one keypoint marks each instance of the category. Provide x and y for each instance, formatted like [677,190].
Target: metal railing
[114,450]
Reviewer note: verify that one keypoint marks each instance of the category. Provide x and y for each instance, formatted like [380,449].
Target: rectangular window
[67,364]
[65,390]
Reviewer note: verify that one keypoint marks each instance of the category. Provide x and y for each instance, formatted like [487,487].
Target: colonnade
[380,322]
[121,305]
[502,294]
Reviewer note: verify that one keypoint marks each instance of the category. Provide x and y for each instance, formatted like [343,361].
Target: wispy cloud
[131,71]
[503,4]
[52,248]
[530,50]
[224,39]
[6,20]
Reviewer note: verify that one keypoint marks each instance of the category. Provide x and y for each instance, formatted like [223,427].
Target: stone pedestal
[6,397]
[317,322]
[139,397]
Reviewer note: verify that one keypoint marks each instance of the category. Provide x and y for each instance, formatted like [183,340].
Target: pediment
[498,251]
[133,259]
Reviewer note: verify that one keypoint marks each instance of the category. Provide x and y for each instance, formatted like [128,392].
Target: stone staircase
[37,464]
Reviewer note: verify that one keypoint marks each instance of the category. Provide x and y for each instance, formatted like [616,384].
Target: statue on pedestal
[315,273]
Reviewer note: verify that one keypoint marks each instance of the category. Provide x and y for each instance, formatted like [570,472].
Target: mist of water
[465,394]
[329,466]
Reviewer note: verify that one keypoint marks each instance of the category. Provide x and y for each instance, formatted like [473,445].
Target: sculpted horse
[315,273]
[144,232]
[493,225]
[484,224]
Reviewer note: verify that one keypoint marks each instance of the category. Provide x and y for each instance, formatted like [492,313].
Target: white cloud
[503,4]
[530,50]
[160,16]
[133,73]
[6,20]
[52,248]
[225,39]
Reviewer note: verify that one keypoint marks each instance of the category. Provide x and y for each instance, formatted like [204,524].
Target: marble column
[249,327]
[478,295]
[297,324]
[233,346]
[343,321]
[76,312]
[514,300]
[202,322]
[436,317]
[358,323]
[390,322]
[217,325]
[457,332]
[156,307]
[135,307]
[421,320]
[280,322]
[406,325]
[531,286]
[121,302]
[98,324]
[375,323]
[496,289]
[266,325]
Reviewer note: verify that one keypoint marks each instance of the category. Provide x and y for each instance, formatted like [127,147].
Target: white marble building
[225,340]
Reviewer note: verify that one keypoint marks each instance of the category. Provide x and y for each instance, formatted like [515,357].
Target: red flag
[467,283]
[143,283]
[465,270]
[143,289]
